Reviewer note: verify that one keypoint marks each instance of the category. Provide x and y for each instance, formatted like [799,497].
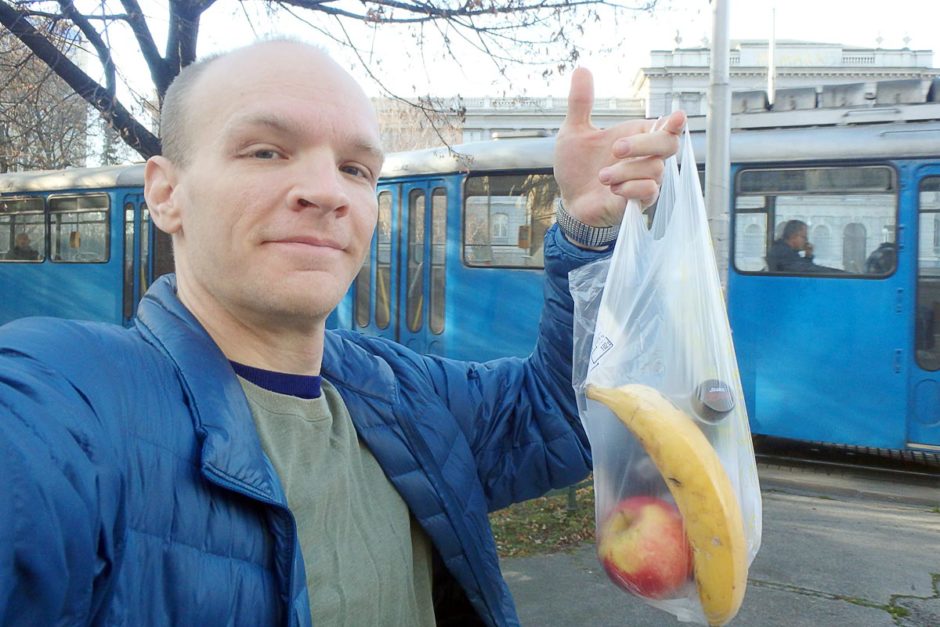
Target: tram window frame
[519,232]
[927,317]
[9,225]
[838,182]
[72,240]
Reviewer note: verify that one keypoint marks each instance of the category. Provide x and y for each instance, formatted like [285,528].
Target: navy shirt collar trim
[299,385]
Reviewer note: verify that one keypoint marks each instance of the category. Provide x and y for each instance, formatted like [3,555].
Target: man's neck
[248,339]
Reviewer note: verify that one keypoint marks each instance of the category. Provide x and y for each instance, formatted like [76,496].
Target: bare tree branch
[104,53]
[500,30]
[159,70]
[132,131]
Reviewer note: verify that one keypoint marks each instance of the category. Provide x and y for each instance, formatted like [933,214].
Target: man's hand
[599,170]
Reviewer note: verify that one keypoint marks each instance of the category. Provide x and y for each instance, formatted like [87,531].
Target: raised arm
[60,503]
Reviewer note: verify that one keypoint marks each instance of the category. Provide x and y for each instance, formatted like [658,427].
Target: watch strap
[581,233]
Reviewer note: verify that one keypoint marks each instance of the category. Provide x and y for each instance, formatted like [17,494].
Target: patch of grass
[544,524]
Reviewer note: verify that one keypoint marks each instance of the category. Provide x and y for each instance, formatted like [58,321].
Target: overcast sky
[910,22]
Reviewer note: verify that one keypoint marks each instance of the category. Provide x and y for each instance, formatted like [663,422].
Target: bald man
[228,461]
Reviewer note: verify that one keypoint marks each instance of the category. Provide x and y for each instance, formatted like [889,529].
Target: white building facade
[678,78]
[487,118]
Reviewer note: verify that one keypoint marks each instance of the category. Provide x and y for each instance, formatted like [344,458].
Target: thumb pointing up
[580,99]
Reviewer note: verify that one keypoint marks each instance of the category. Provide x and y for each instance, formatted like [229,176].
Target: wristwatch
[581,233]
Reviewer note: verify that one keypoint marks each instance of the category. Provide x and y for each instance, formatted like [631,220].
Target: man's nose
[319,185]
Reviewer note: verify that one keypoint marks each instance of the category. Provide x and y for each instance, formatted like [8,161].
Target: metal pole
[718,138]
[771,58]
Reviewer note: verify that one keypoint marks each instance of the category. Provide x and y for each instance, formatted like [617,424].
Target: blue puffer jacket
[135,491]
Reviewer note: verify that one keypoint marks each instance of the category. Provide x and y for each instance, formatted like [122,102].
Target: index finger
[672,123]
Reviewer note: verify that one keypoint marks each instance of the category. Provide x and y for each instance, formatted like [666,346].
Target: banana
[701,488]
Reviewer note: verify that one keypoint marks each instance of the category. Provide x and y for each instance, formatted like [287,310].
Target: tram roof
[73,178]
[859,134]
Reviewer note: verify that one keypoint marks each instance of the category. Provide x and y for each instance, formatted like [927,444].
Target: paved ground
[836,551]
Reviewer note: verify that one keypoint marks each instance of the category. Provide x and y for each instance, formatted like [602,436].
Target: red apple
[643,547]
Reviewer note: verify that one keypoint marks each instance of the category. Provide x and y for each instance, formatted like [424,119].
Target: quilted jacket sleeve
[59,502]
[520,415]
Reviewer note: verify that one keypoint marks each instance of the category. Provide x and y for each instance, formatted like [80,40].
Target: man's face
[278,200]
[798,240]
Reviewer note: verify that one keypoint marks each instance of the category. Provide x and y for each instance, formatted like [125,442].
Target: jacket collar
[355,369]
[231,449]
[221,415]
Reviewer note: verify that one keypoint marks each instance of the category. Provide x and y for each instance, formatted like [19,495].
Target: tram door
[399,292]
[138,266]
[923,416]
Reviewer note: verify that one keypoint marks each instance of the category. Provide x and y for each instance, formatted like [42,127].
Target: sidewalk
[836,551]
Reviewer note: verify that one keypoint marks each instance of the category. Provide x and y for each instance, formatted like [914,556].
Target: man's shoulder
[62,334]
[72,346]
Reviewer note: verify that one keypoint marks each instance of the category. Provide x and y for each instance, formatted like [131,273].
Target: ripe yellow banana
[700,486]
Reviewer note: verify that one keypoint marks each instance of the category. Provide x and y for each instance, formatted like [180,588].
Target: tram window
[79,228]
[927,316]
[22,229]
[383,262]
[128,259]
[850,213]
[363,287]
[438,258]
[505,219]
[415,275]
[144,248]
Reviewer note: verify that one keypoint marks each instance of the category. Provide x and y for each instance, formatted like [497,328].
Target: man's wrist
[581,234]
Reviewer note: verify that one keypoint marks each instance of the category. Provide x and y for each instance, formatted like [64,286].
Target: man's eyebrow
[373,150]
[286,126]
[274,122]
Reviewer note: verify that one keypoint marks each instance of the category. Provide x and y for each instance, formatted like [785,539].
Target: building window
[853,247]
[499,226]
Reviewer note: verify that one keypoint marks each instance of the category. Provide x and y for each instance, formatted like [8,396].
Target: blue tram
[88,250]
[848,353]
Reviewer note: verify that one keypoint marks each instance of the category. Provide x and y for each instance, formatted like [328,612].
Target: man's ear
[159,187]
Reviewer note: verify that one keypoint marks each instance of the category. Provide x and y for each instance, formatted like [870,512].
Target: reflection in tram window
[79,228]
[438,258]
[383,262]
[927,315]
[415,274]
[850,212]
[505,219]
[363,287]
[22,229]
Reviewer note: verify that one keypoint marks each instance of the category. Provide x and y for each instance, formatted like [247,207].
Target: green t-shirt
[368,562]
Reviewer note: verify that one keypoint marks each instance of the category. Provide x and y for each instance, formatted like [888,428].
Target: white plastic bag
[654,314]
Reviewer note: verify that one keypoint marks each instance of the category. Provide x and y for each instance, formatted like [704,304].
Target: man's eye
[265,153]
[357,171]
